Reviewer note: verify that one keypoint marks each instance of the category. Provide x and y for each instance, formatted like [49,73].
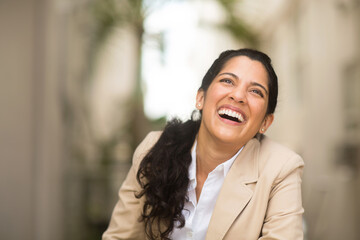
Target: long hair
[163,173]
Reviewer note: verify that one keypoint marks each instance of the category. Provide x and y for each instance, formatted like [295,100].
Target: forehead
[246,69]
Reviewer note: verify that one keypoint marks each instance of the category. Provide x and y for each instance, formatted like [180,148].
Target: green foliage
[106,17]
[235,25]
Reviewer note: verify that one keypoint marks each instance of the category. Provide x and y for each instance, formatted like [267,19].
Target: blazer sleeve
[283,220]
[124,223]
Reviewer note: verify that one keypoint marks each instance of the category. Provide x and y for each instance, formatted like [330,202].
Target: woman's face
[235,104]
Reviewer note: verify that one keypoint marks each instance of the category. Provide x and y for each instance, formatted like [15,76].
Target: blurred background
[83,81]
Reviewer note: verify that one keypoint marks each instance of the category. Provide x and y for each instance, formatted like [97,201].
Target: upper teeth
[231,114]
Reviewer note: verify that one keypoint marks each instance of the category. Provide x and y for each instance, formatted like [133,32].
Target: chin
[229,137]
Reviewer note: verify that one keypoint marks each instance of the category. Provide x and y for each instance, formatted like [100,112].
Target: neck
[211,152]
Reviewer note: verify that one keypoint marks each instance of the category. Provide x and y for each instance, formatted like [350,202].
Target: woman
[218,177]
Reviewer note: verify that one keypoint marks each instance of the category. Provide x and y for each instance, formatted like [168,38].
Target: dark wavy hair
[163,173]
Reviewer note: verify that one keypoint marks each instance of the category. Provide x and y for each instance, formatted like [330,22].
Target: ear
[200,99]
[266,123]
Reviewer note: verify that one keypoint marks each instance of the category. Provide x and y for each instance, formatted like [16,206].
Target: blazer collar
[234,194]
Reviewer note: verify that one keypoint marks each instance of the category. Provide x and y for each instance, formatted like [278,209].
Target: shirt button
[189,234]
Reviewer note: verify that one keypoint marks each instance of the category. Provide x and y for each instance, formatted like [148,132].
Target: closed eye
[258,92]
[226,80]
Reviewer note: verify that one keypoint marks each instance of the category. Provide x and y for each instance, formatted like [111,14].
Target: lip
[235,109]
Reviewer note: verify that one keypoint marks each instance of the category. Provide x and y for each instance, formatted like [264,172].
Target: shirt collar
[192,168]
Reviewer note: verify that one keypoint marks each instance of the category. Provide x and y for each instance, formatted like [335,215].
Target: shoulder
[150,139]
[277,159]
[144,147]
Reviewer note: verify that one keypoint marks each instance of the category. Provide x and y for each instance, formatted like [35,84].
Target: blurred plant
[93,158]
[237,26]
[104,17]
[111,14]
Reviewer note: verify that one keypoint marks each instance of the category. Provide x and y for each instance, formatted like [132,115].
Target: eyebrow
[259,85]
[252,83]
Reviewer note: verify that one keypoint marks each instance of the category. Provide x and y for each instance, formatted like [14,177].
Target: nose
[238,95]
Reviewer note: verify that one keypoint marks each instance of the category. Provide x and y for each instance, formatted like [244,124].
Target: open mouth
[231,115]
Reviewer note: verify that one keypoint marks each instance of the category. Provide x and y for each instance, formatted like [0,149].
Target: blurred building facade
[315,46]
[315,49]
[31,131]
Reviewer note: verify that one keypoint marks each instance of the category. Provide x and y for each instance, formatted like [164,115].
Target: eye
[227,80]
[258,92]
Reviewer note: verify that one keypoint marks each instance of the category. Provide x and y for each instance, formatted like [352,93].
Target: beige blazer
[260,197]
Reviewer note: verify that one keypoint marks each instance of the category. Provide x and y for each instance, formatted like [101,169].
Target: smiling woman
[217,177]
[240,89]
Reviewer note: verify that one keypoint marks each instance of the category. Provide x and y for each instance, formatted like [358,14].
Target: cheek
[213,96]
[258,109]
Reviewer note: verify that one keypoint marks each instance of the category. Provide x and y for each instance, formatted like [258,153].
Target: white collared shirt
[197,214]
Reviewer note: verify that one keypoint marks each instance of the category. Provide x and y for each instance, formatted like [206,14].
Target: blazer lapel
[234,194]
